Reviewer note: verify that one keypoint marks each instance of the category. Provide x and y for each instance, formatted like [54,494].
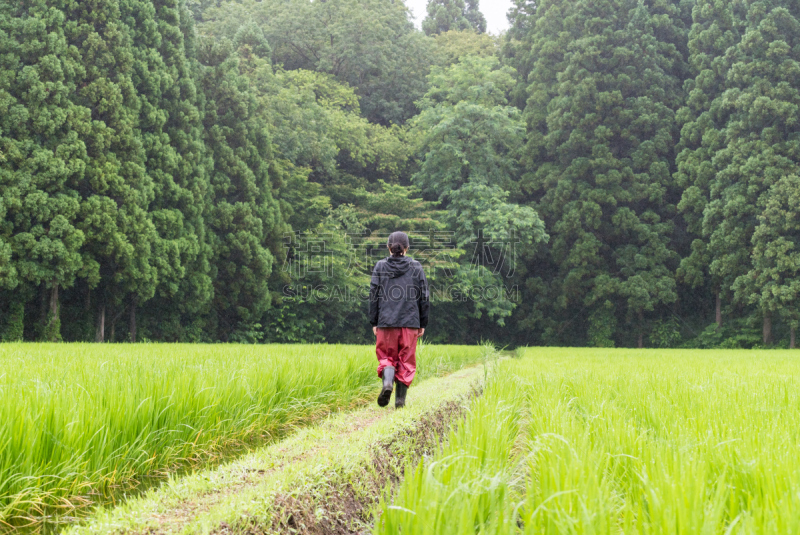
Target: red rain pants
[397,347]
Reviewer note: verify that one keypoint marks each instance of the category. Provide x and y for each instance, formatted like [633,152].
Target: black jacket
[398,294]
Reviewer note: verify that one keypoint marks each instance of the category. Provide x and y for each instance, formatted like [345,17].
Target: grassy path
[324,479]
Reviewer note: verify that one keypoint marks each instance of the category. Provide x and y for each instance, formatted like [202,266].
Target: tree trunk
[43,307]
[54,301]
[767,331]
[133,322]
[100,337]
[114,319]
[640,343]
[791,338]
[718,313]
[55,327]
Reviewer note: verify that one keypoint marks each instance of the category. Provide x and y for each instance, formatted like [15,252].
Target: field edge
[304,480]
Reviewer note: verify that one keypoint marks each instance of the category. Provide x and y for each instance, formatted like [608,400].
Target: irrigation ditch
[345,503]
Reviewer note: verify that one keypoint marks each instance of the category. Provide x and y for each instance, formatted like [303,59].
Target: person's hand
[375,331]
[420,332]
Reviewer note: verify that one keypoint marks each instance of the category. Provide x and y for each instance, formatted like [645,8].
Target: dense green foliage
[369,44]
[74,422]
[603,156]
[656,131]
[606,173]
[615,441]
[447,15]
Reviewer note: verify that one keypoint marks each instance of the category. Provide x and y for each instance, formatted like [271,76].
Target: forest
[606,173]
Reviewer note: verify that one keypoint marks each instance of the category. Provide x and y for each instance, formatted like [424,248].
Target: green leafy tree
[324,149]
[468,139]
[370,45]
[327,159]
[323,275]
[446,15]
[453,45]
[316,122]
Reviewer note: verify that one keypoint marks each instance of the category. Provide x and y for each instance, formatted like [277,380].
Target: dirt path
[324,479]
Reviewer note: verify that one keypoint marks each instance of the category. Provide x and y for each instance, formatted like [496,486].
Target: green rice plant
[434,360]
[662,442]
[469,485]
[618,441]
[81,423]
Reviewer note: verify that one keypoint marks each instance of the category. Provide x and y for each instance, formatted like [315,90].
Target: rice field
[616,441]
[80,422]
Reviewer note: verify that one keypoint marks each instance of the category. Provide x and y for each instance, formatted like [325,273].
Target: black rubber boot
[388,383]
[400,396]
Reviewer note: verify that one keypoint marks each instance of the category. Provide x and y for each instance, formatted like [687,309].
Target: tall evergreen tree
[170,118]
[244,218]
[44,156]
[761,140]
[717,27]
[474,15]
[603,150]
[518,48]
[447,15]
[537,45]
[119,255]
[773,282]
[8,273]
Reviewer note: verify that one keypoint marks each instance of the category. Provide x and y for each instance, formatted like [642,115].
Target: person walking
[398,312]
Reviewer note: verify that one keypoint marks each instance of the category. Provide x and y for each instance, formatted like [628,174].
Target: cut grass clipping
[617,441]
[80,423]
